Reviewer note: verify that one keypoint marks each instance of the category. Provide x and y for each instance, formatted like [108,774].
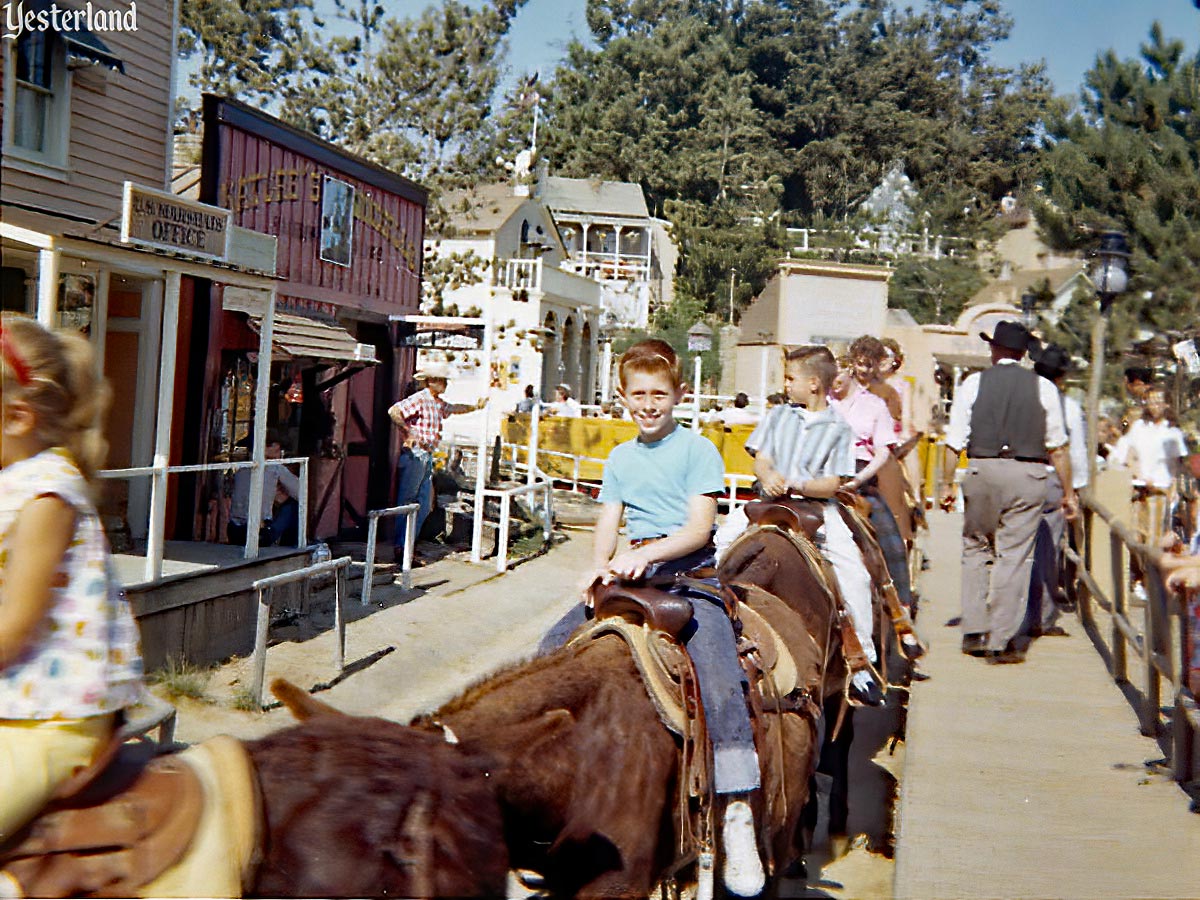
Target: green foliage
[735,117]
[1129,158]
[260,51]
[414,95]
[933,290]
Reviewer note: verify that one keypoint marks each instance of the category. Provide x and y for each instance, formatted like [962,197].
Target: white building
[542,322]
[806,302]
[611,238]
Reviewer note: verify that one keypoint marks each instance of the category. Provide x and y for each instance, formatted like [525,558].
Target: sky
[1067,34]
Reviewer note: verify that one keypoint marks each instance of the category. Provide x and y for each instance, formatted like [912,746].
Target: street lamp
[699,341]
[1110,277]
[699,337]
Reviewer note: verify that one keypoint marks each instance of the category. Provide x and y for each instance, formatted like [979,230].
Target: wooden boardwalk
[1031,781]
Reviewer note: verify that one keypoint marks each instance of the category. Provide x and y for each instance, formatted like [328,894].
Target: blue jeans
[712,646]
[891,544]
[414,484]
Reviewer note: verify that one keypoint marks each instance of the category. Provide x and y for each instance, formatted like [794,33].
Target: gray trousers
[1004,500]
[1047,557]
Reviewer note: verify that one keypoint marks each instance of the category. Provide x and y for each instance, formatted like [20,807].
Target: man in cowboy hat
[1052,362]
[419,418]
[1010,422]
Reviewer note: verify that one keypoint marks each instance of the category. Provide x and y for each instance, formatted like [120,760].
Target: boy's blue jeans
[414,484]
[712,646]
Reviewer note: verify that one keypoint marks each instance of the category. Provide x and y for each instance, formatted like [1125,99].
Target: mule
[347,807]
[593,787]
[561,765]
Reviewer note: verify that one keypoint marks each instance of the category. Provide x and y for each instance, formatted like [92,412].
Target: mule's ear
[300,703]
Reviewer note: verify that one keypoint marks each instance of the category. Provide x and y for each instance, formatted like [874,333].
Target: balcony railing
[609,267]
[518,274]
[532,275]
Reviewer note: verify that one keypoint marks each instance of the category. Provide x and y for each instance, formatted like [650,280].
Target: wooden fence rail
[1164,649]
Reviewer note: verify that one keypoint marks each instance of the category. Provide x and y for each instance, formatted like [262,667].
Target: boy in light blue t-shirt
[665,484]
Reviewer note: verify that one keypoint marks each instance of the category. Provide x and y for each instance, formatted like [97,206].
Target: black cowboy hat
[1011,335]
[1051,360]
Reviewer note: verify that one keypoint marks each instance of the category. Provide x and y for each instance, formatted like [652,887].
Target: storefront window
[76,300]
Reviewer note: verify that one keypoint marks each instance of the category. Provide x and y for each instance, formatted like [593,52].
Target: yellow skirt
[38,755]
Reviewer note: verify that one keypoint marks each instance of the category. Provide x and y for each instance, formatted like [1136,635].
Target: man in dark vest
[1010,422]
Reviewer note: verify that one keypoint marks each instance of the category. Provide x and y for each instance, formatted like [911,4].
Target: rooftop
[595,197]
[1009,290]
[481,209]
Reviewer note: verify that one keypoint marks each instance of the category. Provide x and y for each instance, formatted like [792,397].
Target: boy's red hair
[652,356]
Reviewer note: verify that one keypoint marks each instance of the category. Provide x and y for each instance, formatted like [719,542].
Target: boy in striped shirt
[805,448]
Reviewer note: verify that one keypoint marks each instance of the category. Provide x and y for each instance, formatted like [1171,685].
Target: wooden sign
[158,219]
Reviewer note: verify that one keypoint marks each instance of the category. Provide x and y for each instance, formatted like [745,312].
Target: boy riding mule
[665,484]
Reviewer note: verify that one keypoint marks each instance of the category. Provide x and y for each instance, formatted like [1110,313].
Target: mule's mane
[542,681]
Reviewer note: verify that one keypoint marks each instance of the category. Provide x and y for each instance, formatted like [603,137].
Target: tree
[933,290]
[736,116]
[261,51]
[414,95]
[1128,158]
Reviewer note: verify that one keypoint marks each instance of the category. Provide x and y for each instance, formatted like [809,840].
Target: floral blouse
[84,659]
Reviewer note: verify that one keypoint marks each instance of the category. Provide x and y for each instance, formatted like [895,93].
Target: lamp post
[1110,277]
[699,341]
[1029,316]
[732,276]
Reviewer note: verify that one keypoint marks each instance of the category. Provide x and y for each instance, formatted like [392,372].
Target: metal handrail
[409,510]
[1165,611]
[505,496]
[266,588]
[154,548]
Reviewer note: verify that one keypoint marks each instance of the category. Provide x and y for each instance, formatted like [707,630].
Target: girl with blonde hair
[69,656]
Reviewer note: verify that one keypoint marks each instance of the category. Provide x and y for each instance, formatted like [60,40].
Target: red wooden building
[348,255]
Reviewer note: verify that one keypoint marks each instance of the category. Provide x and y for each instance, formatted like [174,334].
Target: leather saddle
[111,830]
[800,516]
[645,605]
[178,825]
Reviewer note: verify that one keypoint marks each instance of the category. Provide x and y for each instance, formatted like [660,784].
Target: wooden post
[1120,608]
[260,643]
[262,396]
[162,429]
[47,296]
[1152,644]
[339,619]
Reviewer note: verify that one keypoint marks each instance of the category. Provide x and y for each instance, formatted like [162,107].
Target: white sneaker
[865,689]
[743,873]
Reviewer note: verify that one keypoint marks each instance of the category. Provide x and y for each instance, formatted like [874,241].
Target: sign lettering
[158,219]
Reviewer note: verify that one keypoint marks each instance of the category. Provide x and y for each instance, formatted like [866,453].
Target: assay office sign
[162,220]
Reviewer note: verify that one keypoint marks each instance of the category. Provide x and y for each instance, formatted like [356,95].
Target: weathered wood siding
[275,189]
[118,123]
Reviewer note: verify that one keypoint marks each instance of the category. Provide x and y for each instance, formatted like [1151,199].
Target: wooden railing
[1166,647]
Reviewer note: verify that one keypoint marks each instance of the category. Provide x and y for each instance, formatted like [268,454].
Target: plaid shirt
[423,414]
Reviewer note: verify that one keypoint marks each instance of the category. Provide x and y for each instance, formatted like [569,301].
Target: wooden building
[349,239]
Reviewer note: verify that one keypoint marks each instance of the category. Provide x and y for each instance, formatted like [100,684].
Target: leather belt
[638,542]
